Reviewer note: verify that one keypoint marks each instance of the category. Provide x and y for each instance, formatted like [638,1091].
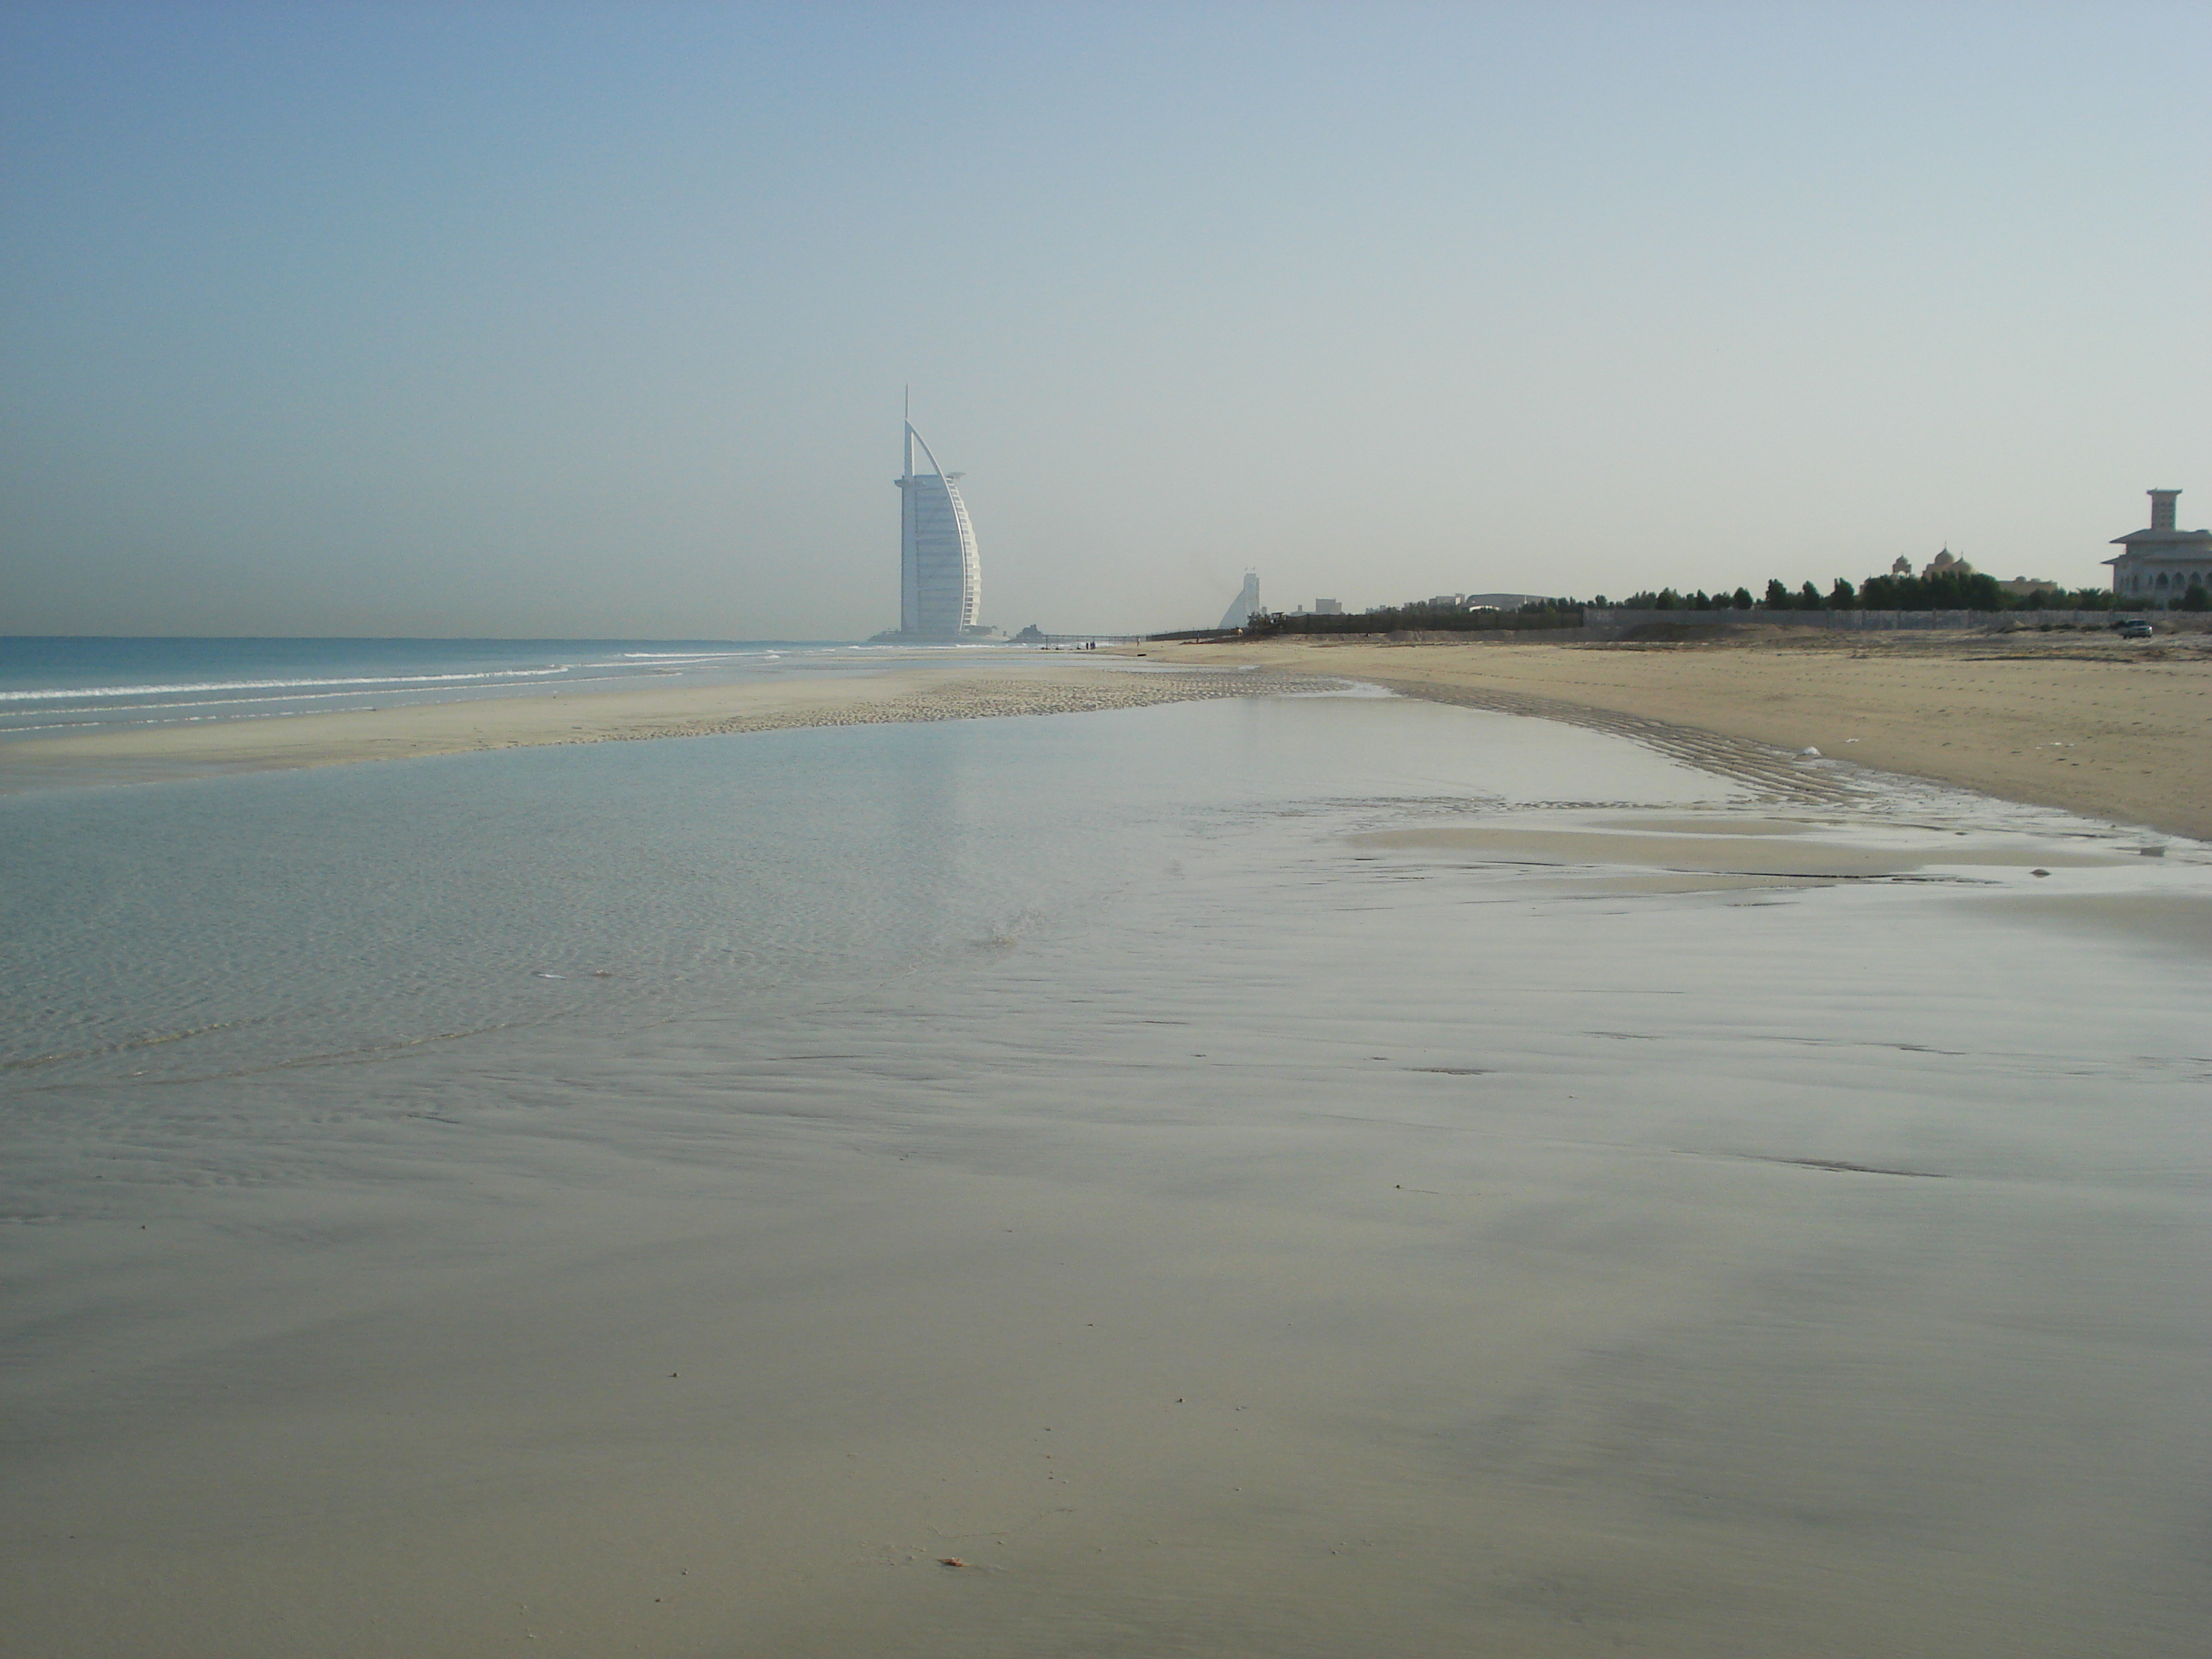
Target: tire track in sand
[1777,774]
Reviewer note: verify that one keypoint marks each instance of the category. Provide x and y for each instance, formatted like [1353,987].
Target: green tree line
[1942,590]
[1419,618]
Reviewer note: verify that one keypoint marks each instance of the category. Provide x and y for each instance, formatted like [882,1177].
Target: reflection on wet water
[199,927]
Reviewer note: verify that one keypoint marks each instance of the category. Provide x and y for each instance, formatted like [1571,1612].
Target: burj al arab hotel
[940,578]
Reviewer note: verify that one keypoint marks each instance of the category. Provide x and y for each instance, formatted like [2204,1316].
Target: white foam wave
[48,695]
[641,660]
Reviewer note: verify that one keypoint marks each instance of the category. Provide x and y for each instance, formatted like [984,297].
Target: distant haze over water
[594,318]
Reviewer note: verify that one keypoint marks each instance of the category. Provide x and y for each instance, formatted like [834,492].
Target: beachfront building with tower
[2159,565]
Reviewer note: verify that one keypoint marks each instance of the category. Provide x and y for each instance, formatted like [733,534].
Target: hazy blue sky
[593,319]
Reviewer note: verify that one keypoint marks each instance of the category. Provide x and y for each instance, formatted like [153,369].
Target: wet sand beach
[2110,728]
[609,1051]
[1309,1175]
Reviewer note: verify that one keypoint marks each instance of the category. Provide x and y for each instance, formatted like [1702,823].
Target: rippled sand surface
[1302,1176]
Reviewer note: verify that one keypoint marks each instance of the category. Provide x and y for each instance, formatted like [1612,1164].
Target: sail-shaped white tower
[1247,602]
[940,577]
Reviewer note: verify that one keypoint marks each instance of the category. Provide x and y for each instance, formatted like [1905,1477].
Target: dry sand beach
[2114,729]
[978,687]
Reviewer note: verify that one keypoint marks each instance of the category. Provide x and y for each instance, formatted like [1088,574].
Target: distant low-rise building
[2161,564]
[1328,607]
[1499,601]
[1946,563]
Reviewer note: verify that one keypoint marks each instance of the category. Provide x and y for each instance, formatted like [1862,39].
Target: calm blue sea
[53,686]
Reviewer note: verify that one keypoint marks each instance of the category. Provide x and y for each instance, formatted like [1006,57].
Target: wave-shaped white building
[940,575]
